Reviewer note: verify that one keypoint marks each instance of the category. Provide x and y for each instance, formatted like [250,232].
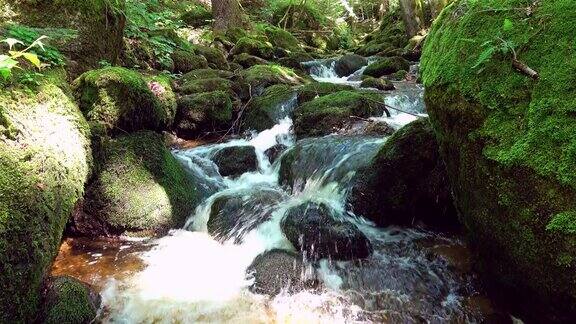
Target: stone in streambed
[234,161]
[67,300]
[386,66]
[275,151]
[203,112]
[348,64]
[313,229]
[267,110]
[377,83]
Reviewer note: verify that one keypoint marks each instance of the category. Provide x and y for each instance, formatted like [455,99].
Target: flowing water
[196,275]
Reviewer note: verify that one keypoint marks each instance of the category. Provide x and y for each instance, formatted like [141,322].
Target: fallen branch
[523,68]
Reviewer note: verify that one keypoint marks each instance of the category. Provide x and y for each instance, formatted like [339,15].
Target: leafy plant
[497,45]
[27,36]
[11,60]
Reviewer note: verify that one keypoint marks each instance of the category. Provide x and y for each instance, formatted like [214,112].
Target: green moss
[185,61]
[203,112]
[215,57]
[197,16]
[205,74]
[281,38]
[261,76]
[391,35]
[265,110]
[140,186]
[118,100]
[326,114]
[68,301]
[380,84]
[318,89]
[387,65]
[254,47]
[161,86]
[206,85]
[247,60]
[43,169]
[564,223]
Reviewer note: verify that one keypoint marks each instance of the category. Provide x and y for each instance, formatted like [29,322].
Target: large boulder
[186,61]
[259,77]
[254,47]
[117,100]
[316,230]
[233,216]
[509,144]
[386,66]
[281,38]
[216,58]
[265,111]
[139,188]
[45,160]
[234,161]
[312,90]
[67,300]
[349,64]
[206,85]
[87,33]
[204,112]
[327,114]
[406,182]
[277,270]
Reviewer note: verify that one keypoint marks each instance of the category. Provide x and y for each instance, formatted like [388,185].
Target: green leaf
[7,62]
[484,56]
[32,58]
[508,25]
[5,73]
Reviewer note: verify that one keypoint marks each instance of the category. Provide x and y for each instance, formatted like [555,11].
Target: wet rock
[67,300]
[205,85]
[387,65]
[234,161]
[367,128]
[407,182]
[233,216]
[312,90]
[258,77]
[328,114]
[247,60]
[139,187]
[204,112]
[267,110]
[277,270]
[348,64]
[254,47]
[377,83]
[275,151]
[313,229]
[185,61]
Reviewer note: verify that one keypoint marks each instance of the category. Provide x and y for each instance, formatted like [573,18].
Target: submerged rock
[327,114]
[377,83]
[117,100]
[313,229]
[233,216]
[348,64]
[275,151]
[203,112]
[509,144]
[139,187]
[67,300]
[277,270]
[406,182]
[45,161]
[234,161]
[387,65]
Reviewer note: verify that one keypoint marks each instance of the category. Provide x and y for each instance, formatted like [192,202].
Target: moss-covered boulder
[205,85]
[247,60]
[185,61]
[215,57]
[389,37]
[45,160]
[318,89]
[254,47]
[67,300]
[279,37]
[203,112]
[349,64]
[509,143]
[265,111]
[327,114]
[139,187]
[197,16]
[377,83]
[259,77]
[387,65]
[234,161]
[205,74]
[406,183]
[96,27]
[117,100]
[161,87]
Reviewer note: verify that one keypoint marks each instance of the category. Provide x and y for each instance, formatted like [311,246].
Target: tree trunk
[413,16]
[227,14]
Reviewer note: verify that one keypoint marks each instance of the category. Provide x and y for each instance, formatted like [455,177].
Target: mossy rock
[69,301]
[348,64]
[377,83]
[318,89]
[161,86]
[185,61]
[406,182]
[247,60]
[205,85]
[197,16]
[139,187]
[117,100]
[509,143]
[391,35]
[44,165]
[205,74]
[279,37]
[327,114]
[259,77]
[203,112]
[387,65]
[266,110]
[98,26]
[214,56]
[294,60]
[254,47]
